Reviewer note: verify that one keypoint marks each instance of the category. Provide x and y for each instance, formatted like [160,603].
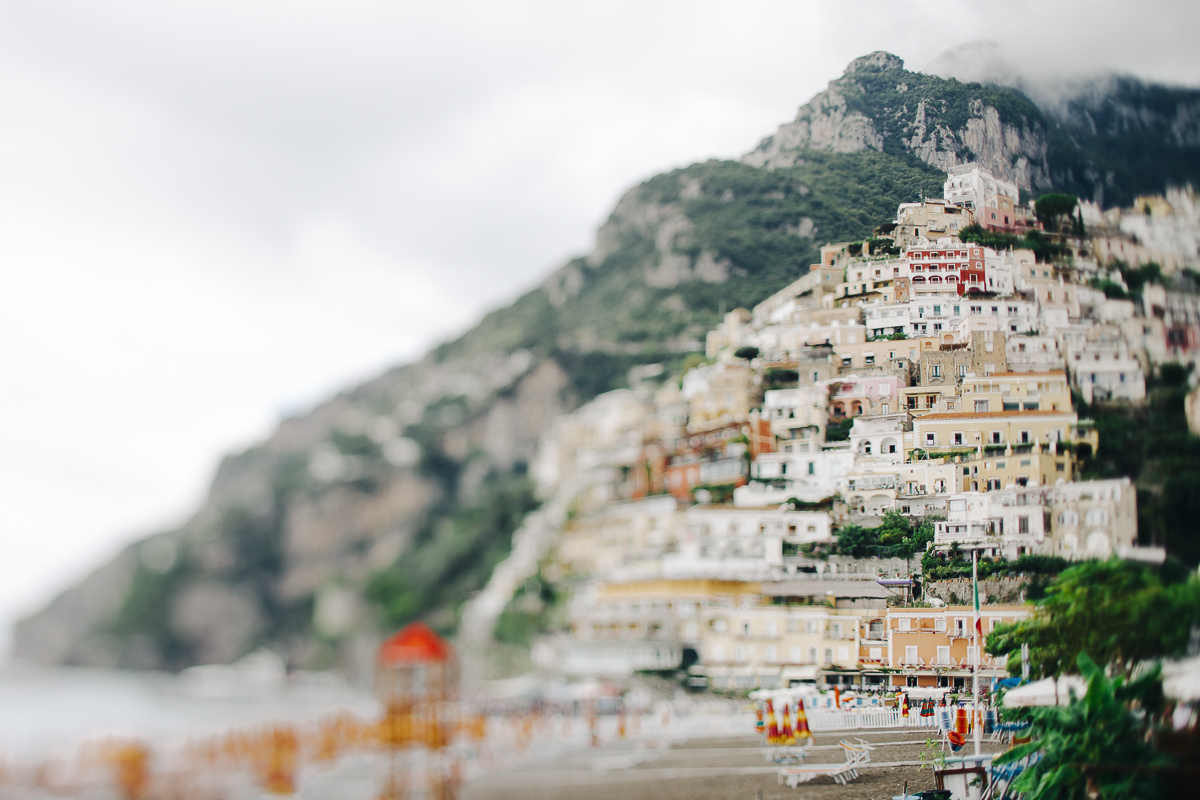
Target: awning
[798,673]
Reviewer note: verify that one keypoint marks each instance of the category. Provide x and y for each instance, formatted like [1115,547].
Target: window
[911,681]
[910,654]
[1023,525]
[939,624]
[958,437]
[836,630]
[982,406]
[995,437]
[770,627]
[943,655]
[770,654]
[993,484]
[1025,437]
[973,656]
[960,627]
[812,468]
[886,409]
[812,655]
[876,653]
[931,439]
[961,370]
[905,623]
[828,655]
[935,370]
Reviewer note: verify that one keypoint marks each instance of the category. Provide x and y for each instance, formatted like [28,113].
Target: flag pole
[977,722]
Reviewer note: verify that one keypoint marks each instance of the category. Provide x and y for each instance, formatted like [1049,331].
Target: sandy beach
[712,769]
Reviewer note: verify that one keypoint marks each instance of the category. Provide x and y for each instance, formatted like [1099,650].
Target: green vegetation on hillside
[897,537]
[452,556]
[750,219]
[1151,444]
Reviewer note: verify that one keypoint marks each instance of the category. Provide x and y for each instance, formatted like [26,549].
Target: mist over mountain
[395,499]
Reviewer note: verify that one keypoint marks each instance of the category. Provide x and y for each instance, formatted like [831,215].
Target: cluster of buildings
[911,373]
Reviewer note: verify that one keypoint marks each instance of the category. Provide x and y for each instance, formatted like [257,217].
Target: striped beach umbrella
[785,731]
[802,731]
[772,728]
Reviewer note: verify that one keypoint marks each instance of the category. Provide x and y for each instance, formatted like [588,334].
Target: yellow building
[1017,391]
[997,432]
[1022,469]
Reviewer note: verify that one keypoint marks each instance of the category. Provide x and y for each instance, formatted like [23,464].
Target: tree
[1096,730]
[749,352]
[1116,611]
[1053,208]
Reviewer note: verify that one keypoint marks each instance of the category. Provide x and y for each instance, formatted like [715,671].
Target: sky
[216,213]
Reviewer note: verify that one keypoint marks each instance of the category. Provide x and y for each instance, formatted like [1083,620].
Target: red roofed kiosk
[416,679]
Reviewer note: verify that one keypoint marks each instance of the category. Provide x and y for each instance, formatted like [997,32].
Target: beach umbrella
[802,731]
[772,728]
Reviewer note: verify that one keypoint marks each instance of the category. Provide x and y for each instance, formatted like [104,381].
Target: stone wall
[991,590]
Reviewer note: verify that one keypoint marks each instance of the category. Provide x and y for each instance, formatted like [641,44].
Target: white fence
[819,719]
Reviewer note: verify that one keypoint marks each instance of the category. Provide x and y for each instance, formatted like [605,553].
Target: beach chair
[857,754]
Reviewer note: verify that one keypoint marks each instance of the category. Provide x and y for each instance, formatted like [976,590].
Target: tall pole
[977,722]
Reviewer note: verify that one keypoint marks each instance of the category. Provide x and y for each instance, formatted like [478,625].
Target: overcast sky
[213,212]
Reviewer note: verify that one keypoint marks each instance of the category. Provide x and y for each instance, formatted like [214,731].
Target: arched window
[828,655]
[1097,516]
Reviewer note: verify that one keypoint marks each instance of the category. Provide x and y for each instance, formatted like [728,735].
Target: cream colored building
[930,219]
[718,394]
[1094,519]
[618,535]
[794,631]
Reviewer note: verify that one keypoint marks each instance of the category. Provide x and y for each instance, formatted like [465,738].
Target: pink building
[852,395]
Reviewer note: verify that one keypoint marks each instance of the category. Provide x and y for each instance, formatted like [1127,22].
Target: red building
[956,266]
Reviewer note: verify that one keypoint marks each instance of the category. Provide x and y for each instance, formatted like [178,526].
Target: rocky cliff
[1106,139]
[394,500]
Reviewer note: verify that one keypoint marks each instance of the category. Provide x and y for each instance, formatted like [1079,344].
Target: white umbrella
[1046,692]
[1181,679]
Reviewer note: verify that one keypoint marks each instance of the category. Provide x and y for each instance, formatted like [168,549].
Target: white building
[1006,522]
[880,437]
[1032,353]
[973,186]
[731,542]
[808,476]
[1102,366]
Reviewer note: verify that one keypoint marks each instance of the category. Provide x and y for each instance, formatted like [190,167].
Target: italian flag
[978,619]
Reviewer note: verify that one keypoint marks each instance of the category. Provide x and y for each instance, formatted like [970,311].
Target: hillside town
[919,382]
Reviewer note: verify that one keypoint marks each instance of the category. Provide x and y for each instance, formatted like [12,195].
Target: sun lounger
[856,755]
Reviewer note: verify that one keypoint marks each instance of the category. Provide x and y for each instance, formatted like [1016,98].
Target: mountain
[396,498]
